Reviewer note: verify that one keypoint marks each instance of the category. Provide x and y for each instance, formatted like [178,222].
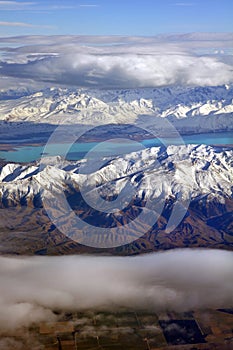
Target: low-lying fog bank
[33,287]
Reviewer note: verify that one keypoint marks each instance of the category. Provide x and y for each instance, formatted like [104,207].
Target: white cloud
[65,7]
[32,287]
[123,71]
[121,62]
[22,24]
[15,5]
[37,6]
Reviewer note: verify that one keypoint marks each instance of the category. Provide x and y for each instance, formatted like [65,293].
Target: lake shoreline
[10,149]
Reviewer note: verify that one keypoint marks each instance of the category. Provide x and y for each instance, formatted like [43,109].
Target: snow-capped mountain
[193,109]
[190,184]
[188,189]
[193,170]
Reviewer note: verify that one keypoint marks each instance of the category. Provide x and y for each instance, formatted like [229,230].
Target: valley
[118,174]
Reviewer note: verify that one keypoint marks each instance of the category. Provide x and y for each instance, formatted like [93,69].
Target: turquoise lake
[78,150]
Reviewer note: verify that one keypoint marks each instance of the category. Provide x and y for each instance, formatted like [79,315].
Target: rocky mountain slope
[185,193]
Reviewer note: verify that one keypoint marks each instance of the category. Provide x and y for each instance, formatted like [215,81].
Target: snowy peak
[192,171]
[69,106]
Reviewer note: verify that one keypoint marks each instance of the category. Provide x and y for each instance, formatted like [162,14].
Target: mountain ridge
[188,109]
[193,183]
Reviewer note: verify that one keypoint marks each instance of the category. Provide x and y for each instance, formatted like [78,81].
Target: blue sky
[120,17]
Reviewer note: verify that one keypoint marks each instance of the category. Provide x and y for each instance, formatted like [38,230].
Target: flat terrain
[131,330]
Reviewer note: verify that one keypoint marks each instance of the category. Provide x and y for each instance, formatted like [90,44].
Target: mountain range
[153,199]
[184,192]
[190,110]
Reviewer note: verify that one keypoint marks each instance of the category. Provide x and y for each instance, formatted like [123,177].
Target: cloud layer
[33,287]
[121,62]
[125,71]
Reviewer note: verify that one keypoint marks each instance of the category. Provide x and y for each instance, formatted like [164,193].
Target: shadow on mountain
[29,132]
[26,228]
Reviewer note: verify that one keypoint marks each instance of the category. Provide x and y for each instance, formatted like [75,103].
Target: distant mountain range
[190,110]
